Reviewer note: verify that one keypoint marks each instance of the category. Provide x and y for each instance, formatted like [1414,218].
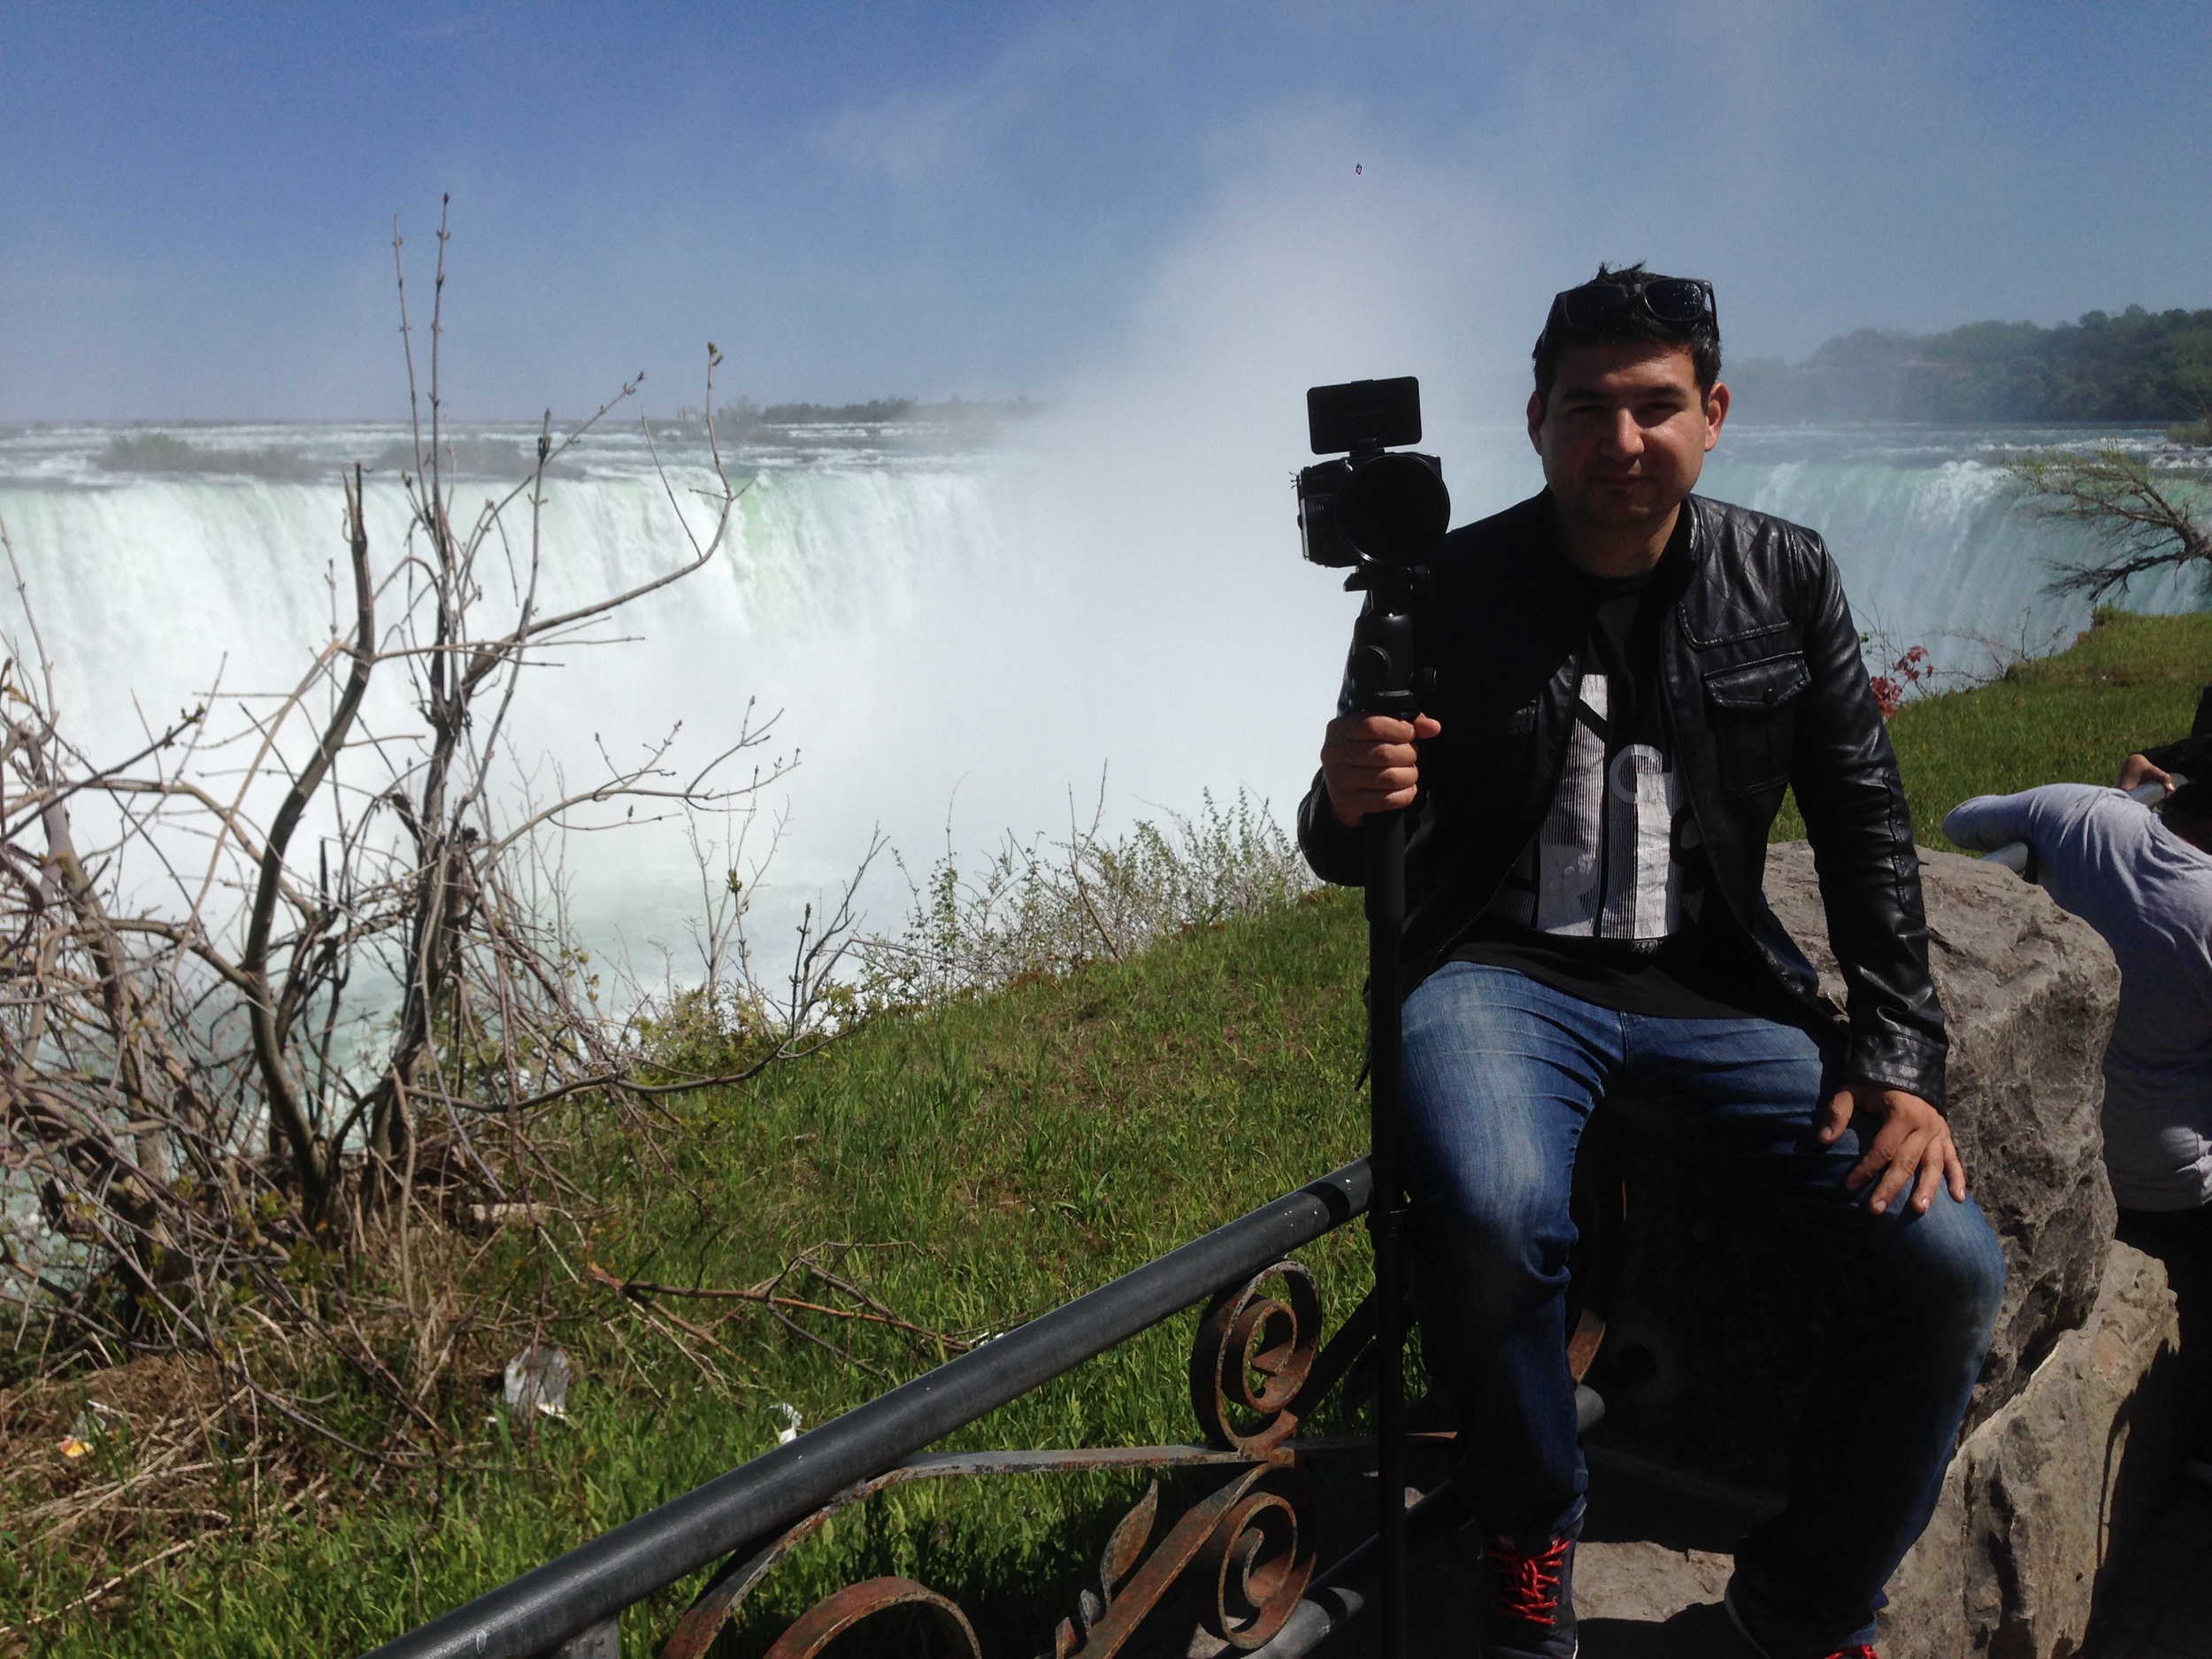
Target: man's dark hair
[1623,324]
[2188,813]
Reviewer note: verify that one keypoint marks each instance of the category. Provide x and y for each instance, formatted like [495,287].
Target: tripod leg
[1385,853]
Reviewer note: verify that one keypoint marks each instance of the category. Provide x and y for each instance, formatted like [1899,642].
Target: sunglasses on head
[1678,301]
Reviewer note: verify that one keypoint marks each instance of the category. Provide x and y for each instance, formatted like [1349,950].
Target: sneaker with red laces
[1528,1609]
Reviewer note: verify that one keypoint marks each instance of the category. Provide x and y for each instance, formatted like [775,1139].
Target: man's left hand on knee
[1912,1149]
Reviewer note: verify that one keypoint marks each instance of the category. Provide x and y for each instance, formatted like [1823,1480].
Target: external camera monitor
[1364,415]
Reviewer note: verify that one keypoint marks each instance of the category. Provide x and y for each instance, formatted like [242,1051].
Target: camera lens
[1393,509]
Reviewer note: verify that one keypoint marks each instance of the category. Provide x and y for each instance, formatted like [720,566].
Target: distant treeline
[744,415]
[2153,368]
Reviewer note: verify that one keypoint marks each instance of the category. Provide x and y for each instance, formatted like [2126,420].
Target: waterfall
[951,636]
[1928,534]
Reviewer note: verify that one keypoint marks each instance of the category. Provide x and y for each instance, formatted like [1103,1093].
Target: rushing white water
[1930,538]
[976,631]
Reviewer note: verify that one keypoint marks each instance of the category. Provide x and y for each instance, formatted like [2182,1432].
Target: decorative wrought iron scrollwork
[1234,1565]
[1259,1561]
[1252,1357]
[1124,1549]
[1249,1546]
[832,1617]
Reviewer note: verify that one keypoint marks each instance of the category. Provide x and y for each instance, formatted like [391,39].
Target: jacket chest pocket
[1753,712]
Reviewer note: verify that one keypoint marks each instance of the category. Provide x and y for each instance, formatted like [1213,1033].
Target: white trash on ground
[538,1378]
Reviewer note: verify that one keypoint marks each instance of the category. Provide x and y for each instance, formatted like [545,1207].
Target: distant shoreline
[2152,368]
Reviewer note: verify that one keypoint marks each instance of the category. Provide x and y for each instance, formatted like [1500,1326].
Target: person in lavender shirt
[2143,879]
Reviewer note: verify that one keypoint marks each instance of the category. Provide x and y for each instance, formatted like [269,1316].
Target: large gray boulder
[2040,1507]
[2048,1495]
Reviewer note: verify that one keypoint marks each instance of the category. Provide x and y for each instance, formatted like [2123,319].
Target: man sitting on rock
[2143,879]
[1628,678]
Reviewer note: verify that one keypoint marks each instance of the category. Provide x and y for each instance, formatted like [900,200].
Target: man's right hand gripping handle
[1370,764]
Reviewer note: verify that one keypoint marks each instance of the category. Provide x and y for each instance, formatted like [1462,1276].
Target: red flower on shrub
[1892,687]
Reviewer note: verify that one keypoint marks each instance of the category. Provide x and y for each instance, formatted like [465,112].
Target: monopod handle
[1384,836]
[1383,675]
[1380,675]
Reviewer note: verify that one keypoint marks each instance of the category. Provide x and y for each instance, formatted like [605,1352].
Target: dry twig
[2146,515]
[282,993]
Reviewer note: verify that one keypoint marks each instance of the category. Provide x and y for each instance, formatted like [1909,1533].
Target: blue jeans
[1501,1073]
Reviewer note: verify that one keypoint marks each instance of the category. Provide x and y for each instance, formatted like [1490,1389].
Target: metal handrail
[531,1615]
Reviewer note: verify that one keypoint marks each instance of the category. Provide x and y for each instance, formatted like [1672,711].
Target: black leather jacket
[1763,687]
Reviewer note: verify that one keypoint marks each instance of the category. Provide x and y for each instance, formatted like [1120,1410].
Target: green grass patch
[2128,681]
[997,1155]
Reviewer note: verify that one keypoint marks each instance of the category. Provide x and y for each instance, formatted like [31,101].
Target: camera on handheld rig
[1380,511]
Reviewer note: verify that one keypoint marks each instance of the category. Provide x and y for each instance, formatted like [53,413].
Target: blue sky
[197,203]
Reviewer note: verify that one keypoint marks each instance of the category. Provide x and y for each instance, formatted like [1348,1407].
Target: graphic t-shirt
[1608,903]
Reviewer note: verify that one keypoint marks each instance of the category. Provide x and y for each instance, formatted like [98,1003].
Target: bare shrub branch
[287,993]
[2146,516]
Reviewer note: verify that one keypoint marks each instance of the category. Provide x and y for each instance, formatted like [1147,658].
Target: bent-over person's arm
[2191,756]
[1990,821]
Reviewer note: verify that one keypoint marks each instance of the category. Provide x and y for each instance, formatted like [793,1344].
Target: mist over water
[962,637]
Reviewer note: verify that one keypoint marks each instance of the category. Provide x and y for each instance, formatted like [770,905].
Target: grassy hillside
[993,1158]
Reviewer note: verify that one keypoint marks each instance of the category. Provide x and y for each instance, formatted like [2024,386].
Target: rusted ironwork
[1255,1352]
[1246,1336]
[727,1591]
[832,1617]
[1257,1564]
[735,1513]
[1246,1544]
[1258,1369]
[1230,1571]
[729,1588]
[1248,1548]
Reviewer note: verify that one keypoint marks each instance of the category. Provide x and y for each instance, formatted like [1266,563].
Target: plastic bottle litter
[538,1379]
